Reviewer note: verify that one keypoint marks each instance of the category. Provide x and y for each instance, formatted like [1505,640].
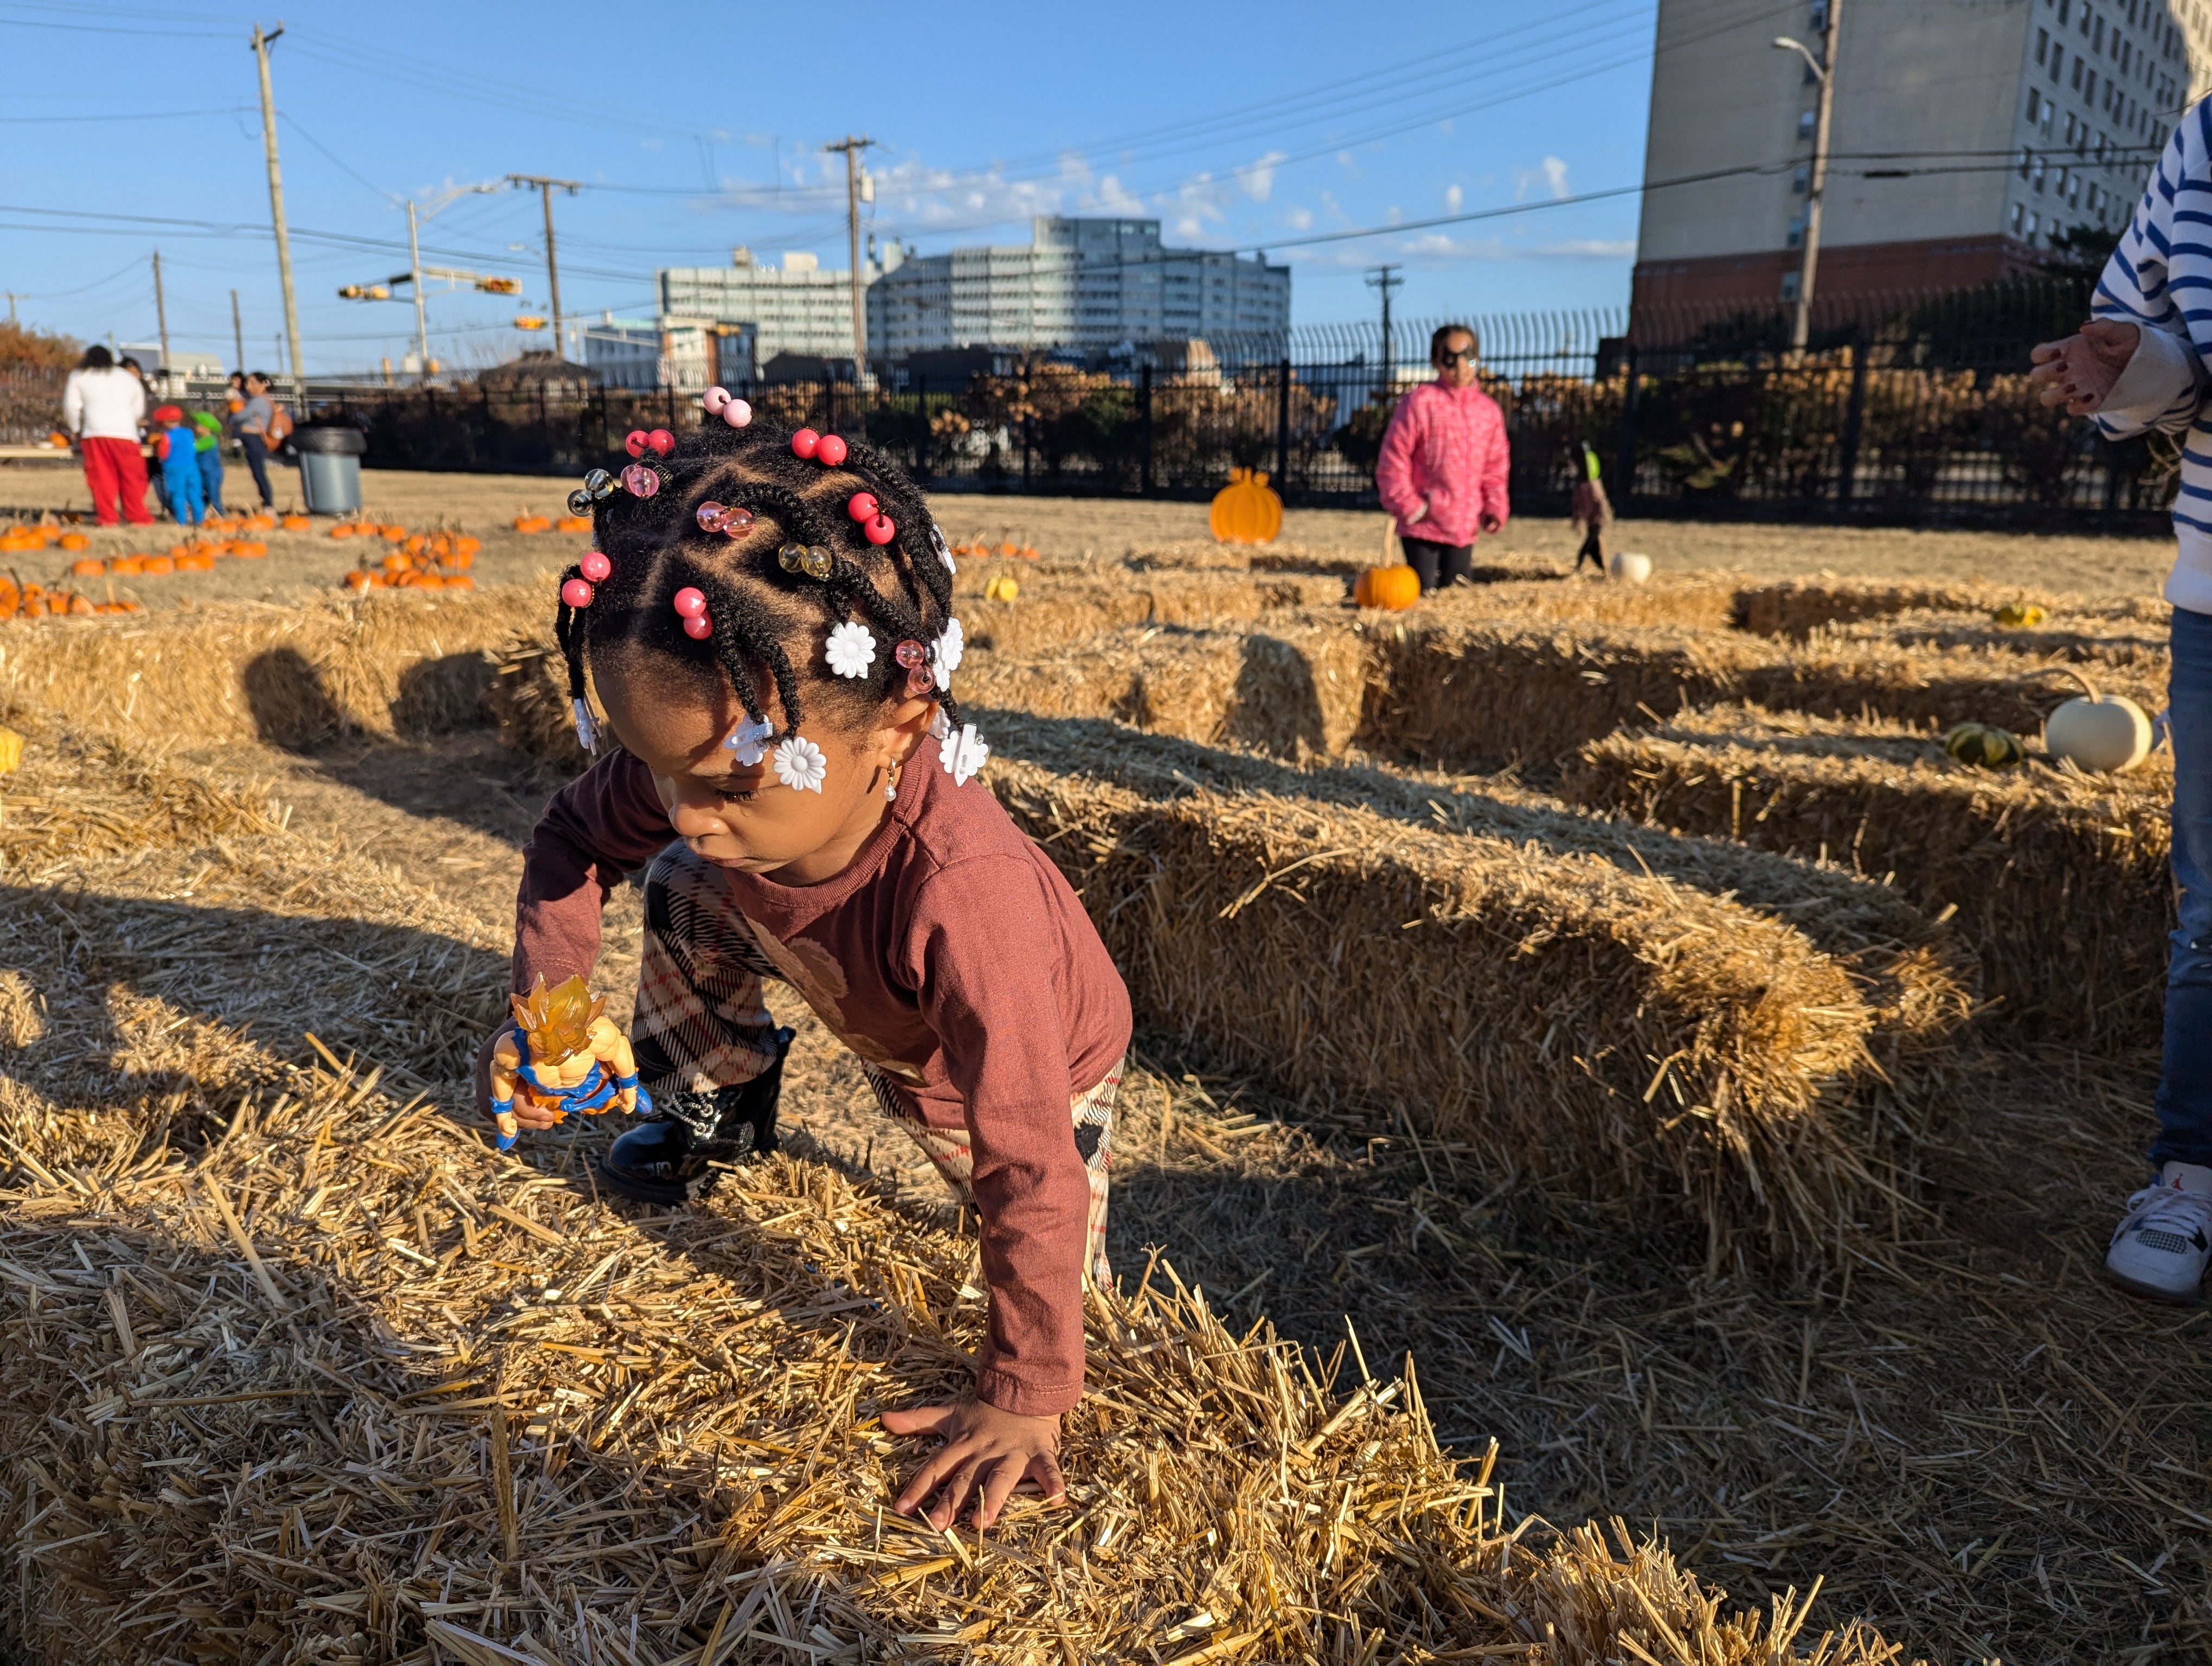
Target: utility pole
[237,334]
[1387,278]
[851,146]
[261,45]
[422,322]
[15,295]
[161,312]
[1823,71]
[552,269]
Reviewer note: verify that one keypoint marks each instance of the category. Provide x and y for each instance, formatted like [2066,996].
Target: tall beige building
[1965,133]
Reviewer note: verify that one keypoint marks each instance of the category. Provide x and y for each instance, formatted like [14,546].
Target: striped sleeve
[2160,277]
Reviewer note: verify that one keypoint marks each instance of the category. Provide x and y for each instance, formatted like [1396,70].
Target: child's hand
[495,1081]
[2080,371]
[986,1451]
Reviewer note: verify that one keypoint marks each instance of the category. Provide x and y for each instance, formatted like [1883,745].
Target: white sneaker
[2160,1248]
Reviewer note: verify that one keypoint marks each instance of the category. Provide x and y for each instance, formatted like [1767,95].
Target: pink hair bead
[577,593]
[634,442]
[803,442]
[881,530]
[661,441]
[698,627]
[736,413]
[831,451]
[861,505]
[639,481]
[910,654]
[715,399]
[689,602]
[595,566]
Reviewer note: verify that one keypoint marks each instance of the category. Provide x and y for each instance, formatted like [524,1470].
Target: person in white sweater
[102,405]
[2142,362]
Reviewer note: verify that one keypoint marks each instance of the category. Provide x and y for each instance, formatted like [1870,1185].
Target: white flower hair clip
[963,754]
[851,649]
[800,765]
[939,725]
[937,543]
[949,647]
[588,730]
[746,741]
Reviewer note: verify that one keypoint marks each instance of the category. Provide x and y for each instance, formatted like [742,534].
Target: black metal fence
[1905,408]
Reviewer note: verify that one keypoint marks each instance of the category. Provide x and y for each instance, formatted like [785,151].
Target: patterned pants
[702,1024]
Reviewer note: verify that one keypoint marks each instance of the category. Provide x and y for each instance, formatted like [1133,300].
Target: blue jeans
[2184,1088]
[210,461]
[257,459]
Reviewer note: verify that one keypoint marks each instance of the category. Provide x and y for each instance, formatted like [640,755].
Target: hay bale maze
[1591,1072]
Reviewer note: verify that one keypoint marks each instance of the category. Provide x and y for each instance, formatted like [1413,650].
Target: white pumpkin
[1629,567]
[2102,733]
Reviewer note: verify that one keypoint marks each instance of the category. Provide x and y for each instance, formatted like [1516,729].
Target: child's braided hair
[656,547]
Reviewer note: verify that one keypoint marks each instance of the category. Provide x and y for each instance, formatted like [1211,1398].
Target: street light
[1822,70]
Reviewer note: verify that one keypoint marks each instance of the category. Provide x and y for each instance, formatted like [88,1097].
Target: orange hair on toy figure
[564,1053]
[558,1022]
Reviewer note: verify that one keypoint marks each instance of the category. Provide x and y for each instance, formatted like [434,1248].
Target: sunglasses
[1448,355]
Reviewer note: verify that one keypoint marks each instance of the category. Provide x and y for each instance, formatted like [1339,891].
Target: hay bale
[1050,614]
[292,676]
[2133,645]
[1292,691]
[1829,678]
[1798,607]
[1635,1038]
[2058,880]
[529,700]
[1695,601]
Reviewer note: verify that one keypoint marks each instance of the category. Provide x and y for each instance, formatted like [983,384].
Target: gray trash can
[330,468]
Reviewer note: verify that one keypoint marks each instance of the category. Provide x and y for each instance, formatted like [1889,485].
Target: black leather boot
[669,1156]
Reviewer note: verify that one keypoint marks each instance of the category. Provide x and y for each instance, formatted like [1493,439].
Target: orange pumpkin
[80,604]
[532,524]
[572,523]
[360,578]
[465,545]
[461,560]
[297,523]
[1392,587]
[251,548]
[127,566]
[87,567]
[459,581]
[76,541]
[1245,511]
[342,531]
[157,565]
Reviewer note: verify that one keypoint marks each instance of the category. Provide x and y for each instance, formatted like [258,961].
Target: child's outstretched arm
[606,823]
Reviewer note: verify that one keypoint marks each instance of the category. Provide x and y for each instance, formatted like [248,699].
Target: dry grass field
[1621,1146]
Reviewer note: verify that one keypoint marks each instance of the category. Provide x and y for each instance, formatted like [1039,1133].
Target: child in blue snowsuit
[207,441]
[180,466]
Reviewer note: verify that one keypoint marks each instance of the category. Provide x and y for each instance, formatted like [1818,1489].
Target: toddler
[765,619]
[174,444]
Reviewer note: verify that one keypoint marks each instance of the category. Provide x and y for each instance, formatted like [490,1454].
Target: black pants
[1593,551]
[1439,564]
[257,458]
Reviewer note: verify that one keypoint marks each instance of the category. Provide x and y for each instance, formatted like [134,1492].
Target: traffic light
[364,292]
[499,286]
[530,321]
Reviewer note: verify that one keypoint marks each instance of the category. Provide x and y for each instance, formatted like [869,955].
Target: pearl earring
[890,787]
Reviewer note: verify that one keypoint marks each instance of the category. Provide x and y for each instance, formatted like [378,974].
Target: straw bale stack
[344,1385]
[529,700]
[1635,1038]
[1798,607]
[1049,613]
[1292,691]
[2133,646]
[1697,601]
[2058,880]
[376,664]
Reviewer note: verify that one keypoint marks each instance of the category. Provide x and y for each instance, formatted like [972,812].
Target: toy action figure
[563,1053]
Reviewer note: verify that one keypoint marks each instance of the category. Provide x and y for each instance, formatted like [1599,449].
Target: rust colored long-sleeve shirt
[953,955]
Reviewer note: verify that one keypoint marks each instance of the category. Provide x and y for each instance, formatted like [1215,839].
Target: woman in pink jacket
[1442,469]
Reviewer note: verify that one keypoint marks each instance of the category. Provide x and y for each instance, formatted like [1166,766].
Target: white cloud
[1455,199]
[1299,219]
[1440,249]
[1258,180]
[1555,176]
[1551,173]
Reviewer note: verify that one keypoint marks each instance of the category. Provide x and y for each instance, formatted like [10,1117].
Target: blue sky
[695,129]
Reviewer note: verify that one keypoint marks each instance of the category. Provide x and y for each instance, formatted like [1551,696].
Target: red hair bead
[830,452]
[577,593]
[880,530]
[861,505]
[634,442]
[803,442]
[595,566]
[689,602]
[698,627]
[661,441]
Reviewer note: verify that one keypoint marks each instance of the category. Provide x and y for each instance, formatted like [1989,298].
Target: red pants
[116,469]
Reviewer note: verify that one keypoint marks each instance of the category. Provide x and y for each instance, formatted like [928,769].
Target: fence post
[1854,424]
[437,430]
[2111,483]
[1029,425]
[1144,431]
[545,428]
[1624,468]
[1283,429]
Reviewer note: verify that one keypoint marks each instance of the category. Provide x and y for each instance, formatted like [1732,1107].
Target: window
[2034,224]
[2036,175]
[1820,16]
[1790,286]
[2027,160]
[1807,119]
[1802,181]
[2054,57]
[2075,195]
[2070,128]
[2097,39]
[2042,44]
[2017,212]
[2048,111]
[2064,8]
[1797,233]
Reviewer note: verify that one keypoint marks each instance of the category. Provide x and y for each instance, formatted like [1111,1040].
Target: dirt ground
[485,504]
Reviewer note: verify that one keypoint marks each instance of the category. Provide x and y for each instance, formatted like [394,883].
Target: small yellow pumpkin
[1245,511]
[1983,744]
[2019,616]
[1001,588]
[1391,587]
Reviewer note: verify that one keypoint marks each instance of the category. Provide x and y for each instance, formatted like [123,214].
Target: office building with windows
[795,308]
[1094,284]
[1966,134]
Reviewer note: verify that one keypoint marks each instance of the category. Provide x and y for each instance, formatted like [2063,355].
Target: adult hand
[2080,371]
[987,1452]
[1490,523]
